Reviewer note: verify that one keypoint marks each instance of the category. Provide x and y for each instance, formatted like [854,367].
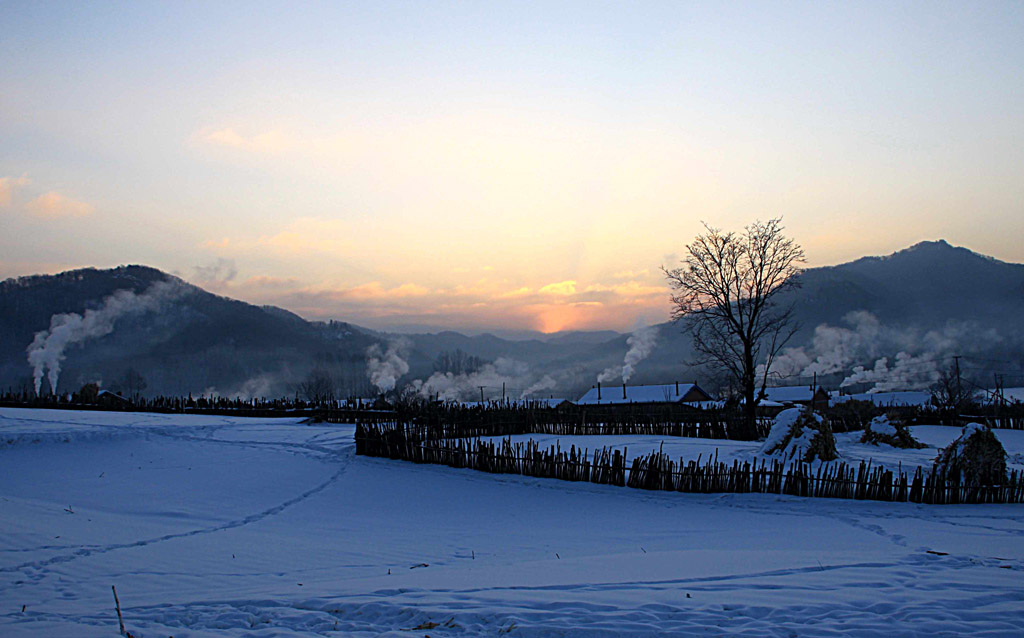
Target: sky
[518,166]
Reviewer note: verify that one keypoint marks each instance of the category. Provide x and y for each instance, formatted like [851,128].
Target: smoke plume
[46,353]
[641,343]
[889,357]
[385,367]
[504,372]
[907,373]
[545,383]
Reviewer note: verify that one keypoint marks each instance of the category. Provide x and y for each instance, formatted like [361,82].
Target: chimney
[677,388]
[598,390]
[623,391]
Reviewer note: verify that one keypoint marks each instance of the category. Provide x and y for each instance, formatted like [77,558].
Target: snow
[780,428]
[881,425]
[781,446]
[219,526]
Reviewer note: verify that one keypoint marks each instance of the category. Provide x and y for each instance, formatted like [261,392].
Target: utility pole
[481,393]
[959,391]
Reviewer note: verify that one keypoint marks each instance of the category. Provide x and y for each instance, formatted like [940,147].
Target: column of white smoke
[446,386]
[385,367]
[46,353]
[641,343]
[545,383]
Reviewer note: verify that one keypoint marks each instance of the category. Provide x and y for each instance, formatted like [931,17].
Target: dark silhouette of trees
[318,386]
[950,391]
[726,296]
[132,384]
[457,362]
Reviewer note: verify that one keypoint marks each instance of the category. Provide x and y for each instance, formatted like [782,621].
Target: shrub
[799,434]
[848,416]
[976,457]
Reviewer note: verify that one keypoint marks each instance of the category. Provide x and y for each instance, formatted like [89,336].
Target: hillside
[931,300]
[198,342]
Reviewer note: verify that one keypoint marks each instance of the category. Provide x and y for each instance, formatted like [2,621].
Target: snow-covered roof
[108,393]
[527,402]
[551,403]
[888,399]
[789,394]
[662,393]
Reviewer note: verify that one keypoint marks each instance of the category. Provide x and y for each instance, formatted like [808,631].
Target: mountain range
[929,301]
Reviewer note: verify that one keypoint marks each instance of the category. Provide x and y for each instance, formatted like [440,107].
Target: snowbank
[976,457]
[798,434]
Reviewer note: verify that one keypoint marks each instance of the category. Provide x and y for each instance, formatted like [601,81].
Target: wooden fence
[657,471]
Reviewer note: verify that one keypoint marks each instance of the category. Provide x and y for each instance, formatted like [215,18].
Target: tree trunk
[748,431]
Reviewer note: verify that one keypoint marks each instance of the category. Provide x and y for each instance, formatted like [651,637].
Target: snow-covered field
[214,526]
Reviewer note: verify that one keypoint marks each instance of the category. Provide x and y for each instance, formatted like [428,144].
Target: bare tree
[318,387]
[132,383]
[726,296]
[950,392]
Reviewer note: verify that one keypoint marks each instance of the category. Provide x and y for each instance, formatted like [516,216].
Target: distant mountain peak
[929,244]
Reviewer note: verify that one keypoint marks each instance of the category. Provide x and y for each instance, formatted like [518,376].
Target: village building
[814,397]
[668,393]
[112,400]
[900,399]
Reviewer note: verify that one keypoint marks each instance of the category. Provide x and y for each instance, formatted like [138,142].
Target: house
[528,402]
[112,400]
[903,399]
[815,397]
[676,393]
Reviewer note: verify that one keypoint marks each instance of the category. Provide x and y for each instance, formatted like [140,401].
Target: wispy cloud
[216,275]
[559,288]
[53,205]
[7,187]
[563,305]
[272,141]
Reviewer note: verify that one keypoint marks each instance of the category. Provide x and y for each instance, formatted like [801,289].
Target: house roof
[112,395]
[527,402]
[887,399]
[790,394]
[662,393]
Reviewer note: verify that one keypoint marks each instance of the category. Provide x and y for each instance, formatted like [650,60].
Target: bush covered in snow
[852,415]
[883,430]
[976,457]
[800,435]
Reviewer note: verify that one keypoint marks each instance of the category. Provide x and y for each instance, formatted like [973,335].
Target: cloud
[53,205]
[563,306]
[7,187]
[216,275]
[563,288]
[272,141]
[518,292]
[375,290]
[224,242]
[267,282]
